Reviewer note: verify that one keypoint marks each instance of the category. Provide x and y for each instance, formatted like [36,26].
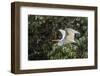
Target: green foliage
[43,29]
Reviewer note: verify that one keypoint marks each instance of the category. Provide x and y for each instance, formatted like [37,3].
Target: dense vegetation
[43,29]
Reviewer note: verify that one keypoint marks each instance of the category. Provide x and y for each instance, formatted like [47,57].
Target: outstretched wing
[62,40]
[63,32]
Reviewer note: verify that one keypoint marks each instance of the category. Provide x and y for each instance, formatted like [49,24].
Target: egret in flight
[68,36]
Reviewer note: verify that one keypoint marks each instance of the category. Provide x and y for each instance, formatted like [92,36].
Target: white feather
[63,32]
[67,38]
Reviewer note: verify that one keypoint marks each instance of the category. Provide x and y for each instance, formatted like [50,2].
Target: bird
[68,36]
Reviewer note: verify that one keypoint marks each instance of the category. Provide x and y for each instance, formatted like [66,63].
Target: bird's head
[72,31]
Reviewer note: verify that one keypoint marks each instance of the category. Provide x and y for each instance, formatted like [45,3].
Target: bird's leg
[55,40]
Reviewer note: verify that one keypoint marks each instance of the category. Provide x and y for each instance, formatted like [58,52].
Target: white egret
[68,36]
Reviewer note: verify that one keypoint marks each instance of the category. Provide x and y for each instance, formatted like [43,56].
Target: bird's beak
[77,35]
[76,32]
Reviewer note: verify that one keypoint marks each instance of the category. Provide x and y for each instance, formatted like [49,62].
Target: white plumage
[68,35]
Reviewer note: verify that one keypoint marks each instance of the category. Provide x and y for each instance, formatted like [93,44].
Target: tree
[43,29]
